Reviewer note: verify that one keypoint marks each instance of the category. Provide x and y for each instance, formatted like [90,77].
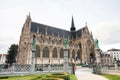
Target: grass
[28,77]
[32,77]
[111,77]
[72,77]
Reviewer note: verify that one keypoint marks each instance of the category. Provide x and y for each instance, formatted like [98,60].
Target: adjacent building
[2,58]
[115,53]
[107,59]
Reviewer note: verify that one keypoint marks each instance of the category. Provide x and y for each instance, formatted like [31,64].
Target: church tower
[73,29]
[24,43]
[72,25]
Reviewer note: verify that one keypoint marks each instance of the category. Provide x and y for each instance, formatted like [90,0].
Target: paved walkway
[86,74]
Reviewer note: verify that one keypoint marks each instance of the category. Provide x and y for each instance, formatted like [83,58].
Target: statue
[33,43]
[96,43]
[65,43]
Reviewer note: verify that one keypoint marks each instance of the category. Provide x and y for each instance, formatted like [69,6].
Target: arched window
[92,57]
[73,54]
[37,53]
[46,52]
[88,42]
[79,56]
[61,53]
[54,55]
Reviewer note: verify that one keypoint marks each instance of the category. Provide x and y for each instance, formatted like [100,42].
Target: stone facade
[49,43]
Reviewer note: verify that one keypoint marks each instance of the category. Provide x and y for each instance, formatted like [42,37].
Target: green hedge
[4,77]
[52,79]
[53,76]
[59,75]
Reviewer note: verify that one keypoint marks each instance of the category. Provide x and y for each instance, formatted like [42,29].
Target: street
[84,73]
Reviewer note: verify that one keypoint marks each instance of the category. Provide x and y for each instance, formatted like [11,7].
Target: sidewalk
[86,74]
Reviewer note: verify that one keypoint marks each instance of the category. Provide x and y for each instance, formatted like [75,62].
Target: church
[49,43]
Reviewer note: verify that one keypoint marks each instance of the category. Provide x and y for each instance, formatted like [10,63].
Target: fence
[28,68]
[110,69]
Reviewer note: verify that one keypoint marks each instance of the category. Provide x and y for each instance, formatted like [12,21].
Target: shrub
[4,77]
[59,75]
[52,79]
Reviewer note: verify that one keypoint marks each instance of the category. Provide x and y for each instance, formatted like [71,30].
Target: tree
[12,53]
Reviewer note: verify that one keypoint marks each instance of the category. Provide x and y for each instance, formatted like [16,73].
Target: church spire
[28,18]
[91,34]
[72,25]
[86,24]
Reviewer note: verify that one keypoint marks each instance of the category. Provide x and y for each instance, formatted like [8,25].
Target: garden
[52,76]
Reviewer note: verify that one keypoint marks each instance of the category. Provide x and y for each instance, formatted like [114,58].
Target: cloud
[98,13]
[3,47]
[107,34]
[6,42]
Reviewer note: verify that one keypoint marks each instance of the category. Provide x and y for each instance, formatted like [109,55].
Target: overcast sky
[102,17]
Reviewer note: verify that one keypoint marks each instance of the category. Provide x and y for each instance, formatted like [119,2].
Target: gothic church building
[49,44]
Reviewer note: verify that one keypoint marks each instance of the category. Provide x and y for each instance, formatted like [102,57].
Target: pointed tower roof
[91,34]
[28,17]
[86,24]
[72,25]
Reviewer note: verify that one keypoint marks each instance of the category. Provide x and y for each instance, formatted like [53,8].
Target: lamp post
[73,66]
[75,62]
[86,54]
[49,66]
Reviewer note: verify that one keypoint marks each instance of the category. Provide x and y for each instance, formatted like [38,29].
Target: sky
[102,18]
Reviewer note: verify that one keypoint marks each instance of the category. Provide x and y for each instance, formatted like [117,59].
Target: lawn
[39,77]
[111,77]
[72,77]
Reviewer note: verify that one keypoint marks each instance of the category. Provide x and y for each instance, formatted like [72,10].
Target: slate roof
[50,30]
[79,32]
[113,49]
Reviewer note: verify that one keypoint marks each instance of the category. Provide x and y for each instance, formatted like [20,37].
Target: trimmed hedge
[64,76]
[4,77]
[52,79]
[53,76]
